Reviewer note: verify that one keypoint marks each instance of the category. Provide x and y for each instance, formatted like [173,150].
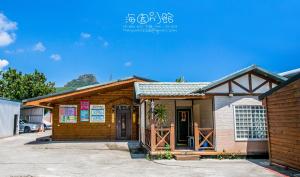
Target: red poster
[84,105]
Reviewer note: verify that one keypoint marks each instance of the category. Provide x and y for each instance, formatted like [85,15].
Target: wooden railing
[203,135]
[160,137]
[148,138]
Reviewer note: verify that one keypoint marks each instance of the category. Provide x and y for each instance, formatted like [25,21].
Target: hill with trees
[81,81]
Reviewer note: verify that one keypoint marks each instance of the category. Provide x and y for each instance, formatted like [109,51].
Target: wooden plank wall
[283,109]
[94,131]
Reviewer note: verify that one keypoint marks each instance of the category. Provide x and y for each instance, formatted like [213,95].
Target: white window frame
[59,119]
[248,139]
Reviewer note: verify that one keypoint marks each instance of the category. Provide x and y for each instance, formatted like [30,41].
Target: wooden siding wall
[95,131]
[283,109]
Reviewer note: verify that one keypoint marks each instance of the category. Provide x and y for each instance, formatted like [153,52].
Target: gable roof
[283,84]
[168,88]
[241,72]
[85,89]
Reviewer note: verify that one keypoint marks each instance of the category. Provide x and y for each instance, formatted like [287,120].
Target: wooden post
[172,137]
[196,134]
[153,137]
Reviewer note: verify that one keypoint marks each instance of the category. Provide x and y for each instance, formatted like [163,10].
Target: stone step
[187,157]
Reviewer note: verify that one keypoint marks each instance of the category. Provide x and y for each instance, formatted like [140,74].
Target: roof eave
[268,93]
[83,88]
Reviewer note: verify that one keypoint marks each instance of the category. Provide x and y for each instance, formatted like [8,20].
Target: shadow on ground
[134,147]
[274,168]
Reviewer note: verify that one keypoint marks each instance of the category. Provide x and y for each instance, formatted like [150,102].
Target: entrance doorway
[123,122]
[183,126]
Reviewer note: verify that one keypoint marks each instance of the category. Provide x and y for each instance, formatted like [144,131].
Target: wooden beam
[244,88]
[229,87]
[260,85]
[153,137]
[196,134]
[266,78]
[250,83]
[172,137]
[39,105]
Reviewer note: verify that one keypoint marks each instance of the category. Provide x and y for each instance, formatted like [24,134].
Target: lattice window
[250,122]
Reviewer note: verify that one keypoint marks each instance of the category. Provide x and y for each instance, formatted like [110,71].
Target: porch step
[187,157]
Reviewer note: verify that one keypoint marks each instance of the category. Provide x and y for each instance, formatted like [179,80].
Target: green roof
[195,88]
[168,88]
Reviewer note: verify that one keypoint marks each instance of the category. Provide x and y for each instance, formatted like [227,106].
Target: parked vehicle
[26,127]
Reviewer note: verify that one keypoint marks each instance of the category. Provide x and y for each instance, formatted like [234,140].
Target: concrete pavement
[22,156]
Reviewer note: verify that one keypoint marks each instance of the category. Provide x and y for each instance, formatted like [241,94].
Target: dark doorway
[123,122]
[15,123]
[183,126]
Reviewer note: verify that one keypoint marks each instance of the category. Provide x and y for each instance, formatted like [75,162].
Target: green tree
[15,85]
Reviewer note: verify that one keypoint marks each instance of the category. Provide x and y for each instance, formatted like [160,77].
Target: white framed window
[68,114]
[97,113]
[250,122]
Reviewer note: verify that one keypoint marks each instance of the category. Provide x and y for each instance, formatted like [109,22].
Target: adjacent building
[283,112]
[9,117]
[36,114]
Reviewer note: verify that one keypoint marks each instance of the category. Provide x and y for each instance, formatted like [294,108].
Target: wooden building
[98,112]
[204,118]
[283,115]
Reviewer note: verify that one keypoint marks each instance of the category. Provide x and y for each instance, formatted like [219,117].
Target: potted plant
[160,116]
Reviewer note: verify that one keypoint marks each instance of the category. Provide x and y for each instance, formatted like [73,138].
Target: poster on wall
[68,114]
[84,110]
[97,113]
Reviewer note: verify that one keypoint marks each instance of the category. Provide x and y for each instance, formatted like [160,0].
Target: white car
[26,127]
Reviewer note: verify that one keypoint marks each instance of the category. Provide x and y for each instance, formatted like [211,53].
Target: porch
[189,129]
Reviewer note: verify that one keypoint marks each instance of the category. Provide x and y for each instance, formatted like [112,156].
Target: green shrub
[168,154]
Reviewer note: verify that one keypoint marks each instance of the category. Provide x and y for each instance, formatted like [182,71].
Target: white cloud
[103,41]
[85,35]
[3,63]
[6,31]
[39,47]
[105,44]
[14,51]
[55,57]
[128,64]
[6,38]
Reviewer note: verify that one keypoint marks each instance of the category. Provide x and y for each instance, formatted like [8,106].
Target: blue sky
[212,38]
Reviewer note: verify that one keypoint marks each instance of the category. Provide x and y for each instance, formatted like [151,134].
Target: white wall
[7,111]
[225,129]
